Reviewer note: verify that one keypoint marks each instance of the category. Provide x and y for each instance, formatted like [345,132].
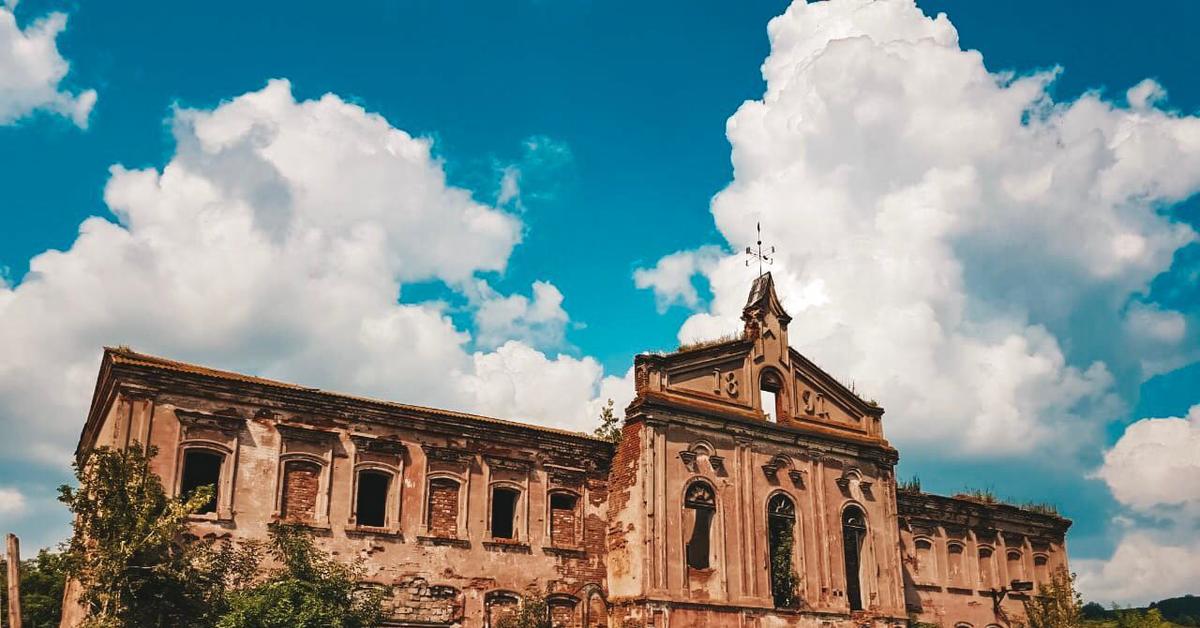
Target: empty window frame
[201,467]
[370,504]
[700,504]
[563,519]
[504,512]
[770,387]
[441,509]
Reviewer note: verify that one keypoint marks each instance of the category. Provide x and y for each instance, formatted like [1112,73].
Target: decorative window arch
[372,496]
[781,534]
[595,609]
[700,507]
[854,536]
[500,604]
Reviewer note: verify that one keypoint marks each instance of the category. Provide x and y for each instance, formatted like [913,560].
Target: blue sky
[609,120]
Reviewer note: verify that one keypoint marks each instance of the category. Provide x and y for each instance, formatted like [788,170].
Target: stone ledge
[507,546]
[443,540]
[353,530]
[566,552]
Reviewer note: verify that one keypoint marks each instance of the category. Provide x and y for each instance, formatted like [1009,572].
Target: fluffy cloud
[31,70]
[277,240]
[1156,463]
[540,320]
[1154,471]
[951,238]
[12,501]
[672,277]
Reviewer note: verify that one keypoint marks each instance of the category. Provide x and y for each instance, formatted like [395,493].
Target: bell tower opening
[770,391]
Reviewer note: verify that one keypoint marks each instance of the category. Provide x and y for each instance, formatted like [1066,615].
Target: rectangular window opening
[201,468]
[371,503]
[768,405]
[562,519]
[504,511]
[697,546]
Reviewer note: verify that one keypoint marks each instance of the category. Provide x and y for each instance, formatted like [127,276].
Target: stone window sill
[565,551]
[358,530]
[514,547]
[320,527]
[210,517]
[444,541]
[960,590]
[928,587]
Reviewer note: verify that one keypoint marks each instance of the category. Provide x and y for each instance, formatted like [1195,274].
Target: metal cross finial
[763,257]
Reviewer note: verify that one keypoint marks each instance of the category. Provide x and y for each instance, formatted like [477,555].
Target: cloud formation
[277,241]
[12,502]
[1154,471]
[31,71]
[950,237]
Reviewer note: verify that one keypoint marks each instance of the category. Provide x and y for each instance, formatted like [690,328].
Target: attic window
[770,395]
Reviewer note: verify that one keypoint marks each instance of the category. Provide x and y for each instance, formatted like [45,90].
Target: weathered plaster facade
[461,514]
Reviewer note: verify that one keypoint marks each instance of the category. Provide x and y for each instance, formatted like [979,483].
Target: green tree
[42,581]
[308,590]
[1057,604]
[610,426]
[1134,618]
[534,611]
[129,551]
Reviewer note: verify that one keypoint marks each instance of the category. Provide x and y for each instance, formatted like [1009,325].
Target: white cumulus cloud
[1156,463]
[947,235]
[31,70]
[540,321]
[277,240]
[12,501]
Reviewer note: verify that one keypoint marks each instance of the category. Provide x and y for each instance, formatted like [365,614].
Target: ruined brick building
[750,489]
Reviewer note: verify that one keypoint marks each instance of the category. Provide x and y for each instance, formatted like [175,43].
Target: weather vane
[763,257]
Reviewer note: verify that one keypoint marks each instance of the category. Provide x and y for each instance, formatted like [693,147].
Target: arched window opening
[1041,569]
[201,468]
[854,534]
[301,485]
[926,565]
[986,579]
[770,389]
[1016,571]
[700,504]
[781,524]
[504,512]
[955,564]
[563,519]
[371,502]
[441,516]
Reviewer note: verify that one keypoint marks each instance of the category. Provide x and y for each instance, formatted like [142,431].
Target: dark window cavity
[854,533]
[701,504]
[781,521]
[504,511]
[201,468]
[371,505]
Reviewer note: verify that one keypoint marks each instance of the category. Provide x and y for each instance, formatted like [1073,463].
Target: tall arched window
[372,498]
[1041,569]
[854,535]
[301,488]
[700,504]
[781,525]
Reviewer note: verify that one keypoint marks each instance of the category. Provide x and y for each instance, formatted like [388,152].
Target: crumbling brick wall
[443,508]
[301,483]
[415,600]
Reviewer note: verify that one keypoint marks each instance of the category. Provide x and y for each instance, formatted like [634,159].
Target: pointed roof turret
[763,302]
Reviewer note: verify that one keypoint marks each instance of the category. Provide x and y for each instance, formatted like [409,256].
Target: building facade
[750,488]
